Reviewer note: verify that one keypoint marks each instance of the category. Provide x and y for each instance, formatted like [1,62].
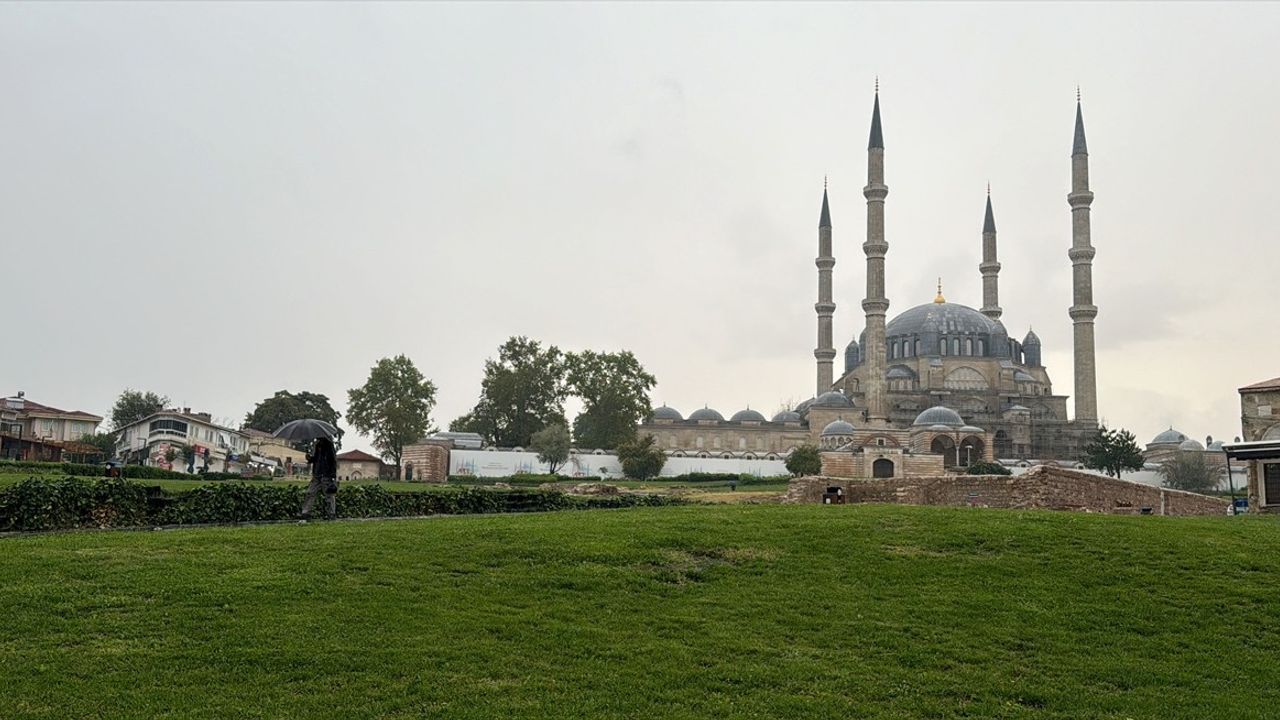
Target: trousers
[328,486]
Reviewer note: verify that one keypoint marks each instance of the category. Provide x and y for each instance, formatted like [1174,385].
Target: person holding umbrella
[324,478]
[323,458]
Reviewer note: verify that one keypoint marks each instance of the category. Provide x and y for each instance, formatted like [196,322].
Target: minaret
[989,267]
[1083,311]
[825,352]
[876,304]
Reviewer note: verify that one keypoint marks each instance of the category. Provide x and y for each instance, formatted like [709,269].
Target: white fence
[501,463]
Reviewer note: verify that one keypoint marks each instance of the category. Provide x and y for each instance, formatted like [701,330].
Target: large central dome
[942,318]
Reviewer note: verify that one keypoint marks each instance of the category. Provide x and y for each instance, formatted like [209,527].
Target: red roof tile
[358,456]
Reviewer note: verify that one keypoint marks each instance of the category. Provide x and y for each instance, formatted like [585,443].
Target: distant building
[158,440]
[32,431]
[1260,421]
[359,465]
[272,451]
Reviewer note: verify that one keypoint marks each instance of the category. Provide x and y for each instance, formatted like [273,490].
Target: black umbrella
[306,429]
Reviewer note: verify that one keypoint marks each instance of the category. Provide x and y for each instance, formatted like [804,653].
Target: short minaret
[1083,311]
[825,352]
[876,305]
[989,267]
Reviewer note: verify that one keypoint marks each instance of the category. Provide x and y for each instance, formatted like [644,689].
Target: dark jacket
[324,462]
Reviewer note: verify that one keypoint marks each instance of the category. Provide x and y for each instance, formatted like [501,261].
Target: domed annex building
[939,385]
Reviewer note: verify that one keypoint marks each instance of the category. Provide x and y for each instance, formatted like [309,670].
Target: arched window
[882,468]
[917,349]
[742,443]
[968,346]
[715,442]
[698,443]
[982,347]
[942,346]
[955,346]
[893,350]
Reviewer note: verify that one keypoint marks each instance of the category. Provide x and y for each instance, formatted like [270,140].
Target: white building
[158,441]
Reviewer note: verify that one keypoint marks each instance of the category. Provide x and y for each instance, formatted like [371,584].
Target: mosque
[941,384]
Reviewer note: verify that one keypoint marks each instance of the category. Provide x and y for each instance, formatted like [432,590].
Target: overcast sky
[216,202]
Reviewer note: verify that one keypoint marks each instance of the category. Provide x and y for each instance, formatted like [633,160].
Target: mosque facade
[940,379]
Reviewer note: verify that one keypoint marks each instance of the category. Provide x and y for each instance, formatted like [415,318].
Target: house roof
[203,418]
[358,456]
[30,407]
[1272,384]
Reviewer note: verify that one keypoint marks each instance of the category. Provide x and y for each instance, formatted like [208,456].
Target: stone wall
[843,464]
[1044,487]
[430,461]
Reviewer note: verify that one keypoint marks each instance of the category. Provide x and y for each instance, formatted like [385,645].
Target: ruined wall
[1044,487]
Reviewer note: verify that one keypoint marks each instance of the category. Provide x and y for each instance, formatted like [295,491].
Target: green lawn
[708,612]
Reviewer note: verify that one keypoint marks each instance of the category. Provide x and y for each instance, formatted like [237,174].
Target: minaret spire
[990,267]
[1082,311]
[875,305]
[825,352]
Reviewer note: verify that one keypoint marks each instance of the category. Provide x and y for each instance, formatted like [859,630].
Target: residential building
[160,439]
[33,431]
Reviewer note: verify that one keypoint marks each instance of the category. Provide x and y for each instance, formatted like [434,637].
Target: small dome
[1020,376]
[705,414]
[787,416]
[1190,444]
[971,429]
[804,406]
[837,427]
[667,413]
[1215,445]
[1168,437]
[940,428]
[1018,408]
[1031,340]
[747,415]
[832,399]
[939,415]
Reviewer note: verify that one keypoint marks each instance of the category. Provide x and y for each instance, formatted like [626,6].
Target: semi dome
[942,318]
[832,399]
[1190,444]
[1215,445]
[667,413]
[804,406]
[1020,376]
[898,372]
[939,415]
[787,416]
[837,427]
[971,429]
[747,415]
[1168,437]
[705,414]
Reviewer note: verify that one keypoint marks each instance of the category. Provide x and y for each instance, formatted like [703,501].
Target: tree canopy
[393,407]
[1191,471]
[1113,451]
[804,460]
[614,389]
[641,458]
[552,445]
[285,406]
[133,405]
[522,392]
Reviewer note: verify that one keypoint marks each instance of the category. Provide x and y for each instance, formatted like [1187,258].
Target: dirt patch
[685,567]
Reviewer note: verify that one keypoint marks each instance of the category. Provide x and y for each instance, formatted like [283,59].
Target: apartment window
[176,426]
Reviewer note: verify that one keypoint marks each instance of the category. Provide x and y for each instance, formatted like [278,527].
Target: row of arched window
[946,346]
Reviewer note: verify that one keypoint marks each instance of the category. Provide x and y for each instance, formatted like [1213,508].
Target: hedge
[132,472]
[72,502]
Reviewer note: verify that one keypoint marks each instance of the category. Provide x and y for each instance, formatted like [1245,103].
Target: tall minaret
[876,304]
[989,267]
[825,352]
[1083,311]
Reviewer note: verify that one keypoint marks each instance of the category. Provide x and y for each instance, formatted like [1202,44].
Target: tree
[105,442]
[133,405]
[1113,451]
[393,407]
[987,468]
[614,389]
[804,460]
[285,406]
[1189,470]
[522,392]
[641,458]
[552,446]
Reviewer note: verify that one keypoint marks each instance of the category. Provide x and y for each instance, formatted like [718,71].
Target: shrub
[44,504]
[640,457]
[804,460]
[988,468]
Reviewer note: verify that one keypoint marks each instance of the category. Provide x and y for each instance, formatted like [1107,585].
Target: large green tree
[614,388]
[393,407]
[522,392]
[1113,451]
[133,405]
[804,460]
[285,406]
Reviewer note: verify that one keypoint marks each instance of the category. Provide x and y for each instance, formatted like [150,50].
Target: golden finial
[939,299]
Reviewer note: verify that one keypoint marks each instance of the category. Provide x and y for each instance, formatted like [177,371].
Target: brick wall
[1043,487]
[430,461]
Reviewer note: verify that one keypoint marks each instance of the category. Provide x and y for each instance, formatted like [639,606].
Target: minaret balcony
[1080,199]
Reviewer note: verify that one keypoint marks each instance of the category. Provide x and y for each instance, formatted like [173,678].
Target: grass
[688,612]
